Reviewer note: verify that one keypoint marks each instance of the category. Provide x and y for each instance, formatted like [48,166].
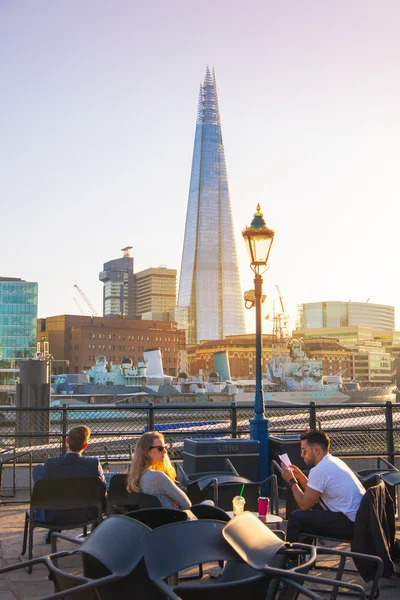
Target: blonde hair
[141,461]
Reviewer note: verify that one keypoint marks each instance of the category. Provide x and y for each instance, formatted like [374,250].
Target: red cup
[263,505]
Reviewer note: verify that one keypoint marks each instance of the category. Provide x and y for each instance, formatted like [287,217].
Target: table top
[270,520]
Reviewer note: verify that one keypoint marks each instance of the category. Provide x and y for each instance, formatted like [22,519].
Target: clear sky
[98,105]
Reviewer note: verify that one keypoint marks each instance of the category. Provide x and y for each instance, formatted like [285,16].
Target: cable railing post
[389,431]
[14,473]
[30,474]
[150,416]
[313,416]
[234,419]
[64,431]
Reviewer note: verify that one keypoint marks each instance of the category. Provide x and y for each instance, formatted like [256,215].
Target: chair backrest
[254,542]
[206,511]
[175,547]
[114,547]
[118,496]
[67,494]
[115,543]
[156,517]
[227,491]
[200,488]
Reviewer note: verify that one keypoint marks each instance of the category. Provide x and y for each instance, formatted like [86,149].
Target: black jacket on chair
[375,530]
[72,465]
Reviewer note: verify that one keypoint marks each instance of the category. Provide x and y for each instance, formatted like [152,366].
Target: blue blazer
[66,467]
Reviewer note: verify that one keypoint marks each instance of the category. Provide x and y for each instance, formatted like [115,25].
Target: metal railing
[355,429]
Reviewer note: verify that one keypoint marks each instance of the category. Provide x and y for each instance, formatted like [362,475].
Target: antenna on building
[126,251]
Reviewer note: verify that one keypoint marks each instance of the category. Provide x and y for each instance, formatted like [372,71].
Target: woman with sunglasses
[151,472]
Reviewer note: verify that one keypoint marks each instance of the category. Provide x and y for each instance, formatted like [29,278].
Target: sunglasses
[160,448]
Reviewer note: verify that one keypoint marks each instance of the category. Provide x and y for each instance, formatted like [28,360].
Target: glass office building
[209,281]
[18,316]
[118,291]
[315,315]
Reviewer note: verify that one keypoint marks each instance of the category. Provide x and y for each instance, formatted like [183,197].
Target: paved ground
[22,586]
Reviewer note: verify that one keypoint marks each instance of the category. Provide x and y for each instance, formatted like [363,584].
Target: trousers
[320,522]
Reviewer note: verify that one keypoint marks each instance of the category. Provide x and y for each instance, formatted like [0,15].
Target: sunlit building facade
[315,315]
[18,316]
[118,289]
[209,281]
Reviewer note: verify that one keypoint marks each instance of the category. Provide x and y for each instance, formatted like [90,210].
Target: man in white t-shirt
[331,484]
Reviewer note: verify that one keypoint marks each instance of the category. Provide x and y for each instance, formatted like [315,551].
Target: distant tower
[209,286]
[118,290]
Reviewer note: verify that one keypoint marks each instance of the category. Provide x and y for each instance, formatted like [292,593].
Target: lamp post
[259,240]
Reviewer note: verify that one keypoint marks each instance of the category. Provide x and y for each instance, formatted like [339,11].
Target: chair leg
[25,534]
[30,545]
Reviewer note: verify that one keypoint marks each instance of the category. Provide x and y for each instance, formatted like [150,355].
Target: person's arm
[168,488]
[305,500]
[299,475]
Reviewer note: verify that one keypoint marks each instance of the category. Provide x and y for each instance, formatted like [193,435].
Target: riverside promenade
[22,586]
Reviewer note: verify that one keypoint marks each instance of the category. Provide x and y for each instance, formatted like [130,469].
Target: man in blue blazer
[72,464]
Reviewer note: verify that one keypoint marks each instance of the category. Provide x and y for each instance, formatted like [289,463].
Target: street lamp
[259,240]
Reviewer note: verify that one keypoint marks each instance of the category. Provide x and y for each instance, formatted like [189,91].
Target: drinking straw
[241,491]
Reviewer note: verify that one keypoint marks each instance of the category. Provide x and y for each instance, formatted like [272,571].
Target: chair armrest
[230,468]
[386,462]
[34,561]
[182,477]
[83,588]
[55,536]
[165,588]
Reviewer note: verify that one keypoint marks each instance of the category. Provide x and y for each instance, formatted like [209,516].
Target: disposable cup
[238,503]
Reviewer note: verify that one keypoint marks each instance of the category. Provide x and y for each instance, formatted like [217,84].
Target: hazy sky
[98,106]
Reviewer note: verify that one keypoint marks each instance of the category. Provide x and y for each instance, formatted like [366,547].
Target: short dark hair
[77,437]
[316,436]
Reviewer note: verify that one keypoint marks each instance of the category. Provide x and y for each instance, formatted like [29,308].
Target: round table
[272,521]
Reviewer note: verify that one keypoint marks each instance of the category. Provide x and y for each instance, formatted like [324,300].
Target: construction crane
[86,299]
[280,331]
[78,305]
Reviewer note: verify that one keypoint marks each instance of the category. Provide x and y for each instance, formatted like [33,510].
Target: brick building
[79,339]
[241,354]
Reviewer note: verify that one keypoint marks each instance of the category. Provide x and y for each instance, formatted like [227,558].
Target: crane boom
[78,305]
[280,298]
[86,299]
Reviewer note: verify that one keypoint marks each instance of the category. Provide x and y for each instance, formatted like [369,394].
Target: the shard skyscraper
[209,287]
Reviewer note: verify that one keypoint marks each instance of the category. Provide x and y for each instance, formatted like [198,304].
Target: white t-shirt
[339,487]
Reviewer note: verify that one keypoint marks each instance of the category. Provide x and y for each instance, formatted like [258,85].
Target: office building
[316,315]
[209,285]
[155,292]
[76,340]
[118,290]
[18,315]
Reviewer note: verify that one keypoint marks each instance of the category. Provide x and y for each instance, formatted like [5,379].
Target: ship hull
[298,397]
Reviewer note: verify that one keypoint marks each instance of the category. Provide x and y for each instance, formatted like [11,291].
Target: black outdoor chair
[206,511]
[178,546]
[157,517]
[224,491]
[261,549]
[203,487]
[112,565]
[120,500]
[370,567]
[63,496]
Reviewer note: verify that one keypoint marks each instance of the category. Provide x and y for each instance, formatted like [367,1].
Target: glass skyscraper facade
[343,314]
[18,316]
[209,281]
[118,291]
